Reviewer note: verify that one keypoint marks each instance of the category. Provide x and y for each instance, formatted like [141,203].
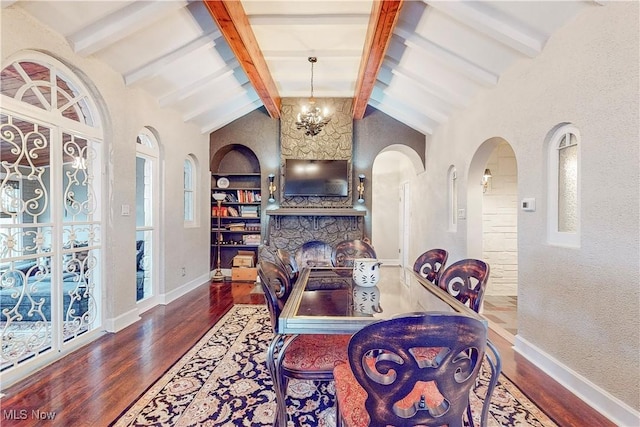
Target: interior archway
[392,171]
[492,233]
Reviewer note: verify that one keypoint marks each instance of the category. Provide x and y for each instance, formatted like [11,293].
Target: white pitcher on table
[366,271]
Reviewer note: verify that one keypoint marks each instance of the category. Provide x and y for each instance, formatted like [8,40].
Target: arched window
[50,213]
[452,196]
[564,186]
[190,191]
[147,215]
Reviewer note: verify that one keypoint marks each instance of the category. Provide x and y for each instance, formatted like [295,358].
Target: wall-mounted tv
[304,177]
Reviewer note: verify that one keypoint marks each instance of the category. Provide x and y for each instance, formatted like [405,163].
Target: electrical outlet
[183,271]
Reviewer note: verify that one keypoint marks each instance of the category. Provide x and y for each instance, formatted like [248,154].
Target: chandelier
[311,119]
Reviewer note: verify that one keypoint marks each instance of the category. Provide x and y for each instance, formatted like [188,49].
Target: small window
[452,194]
[189,191]
[564,187]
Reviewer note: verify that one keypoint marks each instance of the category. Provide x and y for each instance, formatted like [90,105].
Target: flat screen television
[304,177]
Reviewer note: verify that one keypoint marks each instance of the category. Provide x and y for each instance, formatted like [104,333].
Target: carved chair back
[348,250]
[276,286]
[466,281]
[288,262]
[430,264]
[418,369]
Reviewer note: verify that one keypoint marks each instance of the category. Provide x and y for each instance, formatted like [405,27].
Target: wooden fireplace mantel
[353,214]
[315,212]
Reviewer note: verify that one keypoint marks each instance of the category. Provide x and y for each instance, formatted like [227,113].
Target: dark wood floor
[95,384]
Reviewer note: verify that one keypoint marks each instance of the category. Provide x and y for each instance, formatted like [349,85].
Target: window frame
[452,195]
[191,190]
[554,236]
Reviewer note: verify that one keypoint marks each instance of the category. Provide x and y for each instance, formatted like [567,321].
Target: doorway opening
[495,165]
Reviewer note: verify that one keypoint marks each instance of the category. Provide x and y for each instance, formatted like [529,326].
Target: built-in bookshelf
[239,216]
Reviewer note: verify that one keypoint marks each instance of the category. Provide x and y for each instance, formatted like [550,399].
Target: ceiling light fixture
[311,119]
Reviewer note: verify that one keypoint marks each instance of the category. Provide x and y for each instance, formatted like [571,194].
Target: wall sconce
[272,188]
[486,176]
[361,189]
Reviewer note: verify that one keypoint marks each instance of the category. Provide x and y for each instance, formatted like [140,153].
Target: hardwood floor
[95,384]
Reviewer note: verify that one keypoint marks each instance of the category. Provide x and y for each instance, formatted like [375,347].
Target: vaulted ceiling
[215,61]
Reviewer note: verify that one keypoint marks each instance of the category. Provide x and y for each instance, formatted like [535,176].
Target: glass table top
[326,300]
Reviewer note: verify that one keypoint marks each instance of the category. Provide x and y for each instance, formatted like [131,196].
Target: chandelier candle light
[311,119]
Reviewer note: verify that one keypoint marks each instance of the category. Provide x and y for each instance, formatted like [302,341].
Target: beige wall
[578,313]
[125,111]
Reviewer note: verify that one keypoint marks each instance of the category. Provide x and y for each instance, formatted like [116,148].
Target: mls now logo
[23,414]
[15,414]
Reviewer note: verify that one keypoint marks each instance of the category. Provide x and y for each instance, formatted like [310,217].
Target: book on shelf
[236,226]
[232,211]
[251,239]
[249,211]
[223,211]
[248,196]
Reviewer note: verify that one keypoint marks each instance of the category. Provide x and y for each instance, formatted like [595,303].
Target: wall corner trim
[168,297]
[601,400]
[117,324]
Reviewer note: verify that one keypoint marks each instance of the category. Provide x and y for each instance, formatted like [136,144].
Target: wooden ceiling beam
[383,19]
[233,23]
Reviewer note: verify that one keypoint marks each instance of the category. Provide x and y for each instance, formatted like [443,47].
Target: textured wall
[577,305]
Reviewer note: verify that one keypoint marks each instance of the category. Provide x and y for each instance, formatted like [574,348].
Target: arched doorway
[493,228]
[393,170]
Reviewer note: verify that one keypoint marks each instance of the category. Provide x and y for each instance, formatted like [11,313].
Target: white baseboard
[389,262]
[116,324]
[184,289]
[602,401]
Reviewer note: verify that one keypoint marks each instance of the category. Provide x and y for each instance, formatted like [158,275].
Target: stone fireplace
[296,220]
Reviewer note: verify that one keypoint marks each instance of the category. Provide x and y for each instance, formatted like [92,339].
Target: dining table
[326,300]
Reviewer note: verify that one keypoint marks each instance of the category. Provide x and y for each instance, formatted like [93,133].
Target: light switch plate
[528,204]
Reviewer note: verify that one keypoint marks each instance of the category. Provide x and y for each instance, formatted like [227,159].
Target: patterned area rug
[223,381]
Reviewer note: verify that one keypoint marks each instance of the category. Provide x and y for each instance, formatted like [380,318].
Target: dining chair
[430,264]
[348,250]
[288,262]
[411,370]
[304,356]
[466,281]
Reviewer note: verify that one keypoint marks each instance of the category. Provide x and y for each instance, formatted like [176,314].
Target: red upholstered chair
[308,357]
[466,281]
[348,250]
[412,370]
[430,264]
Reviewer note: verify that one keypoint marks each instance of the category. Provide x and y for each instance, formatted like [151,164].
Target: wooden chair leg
[275,348]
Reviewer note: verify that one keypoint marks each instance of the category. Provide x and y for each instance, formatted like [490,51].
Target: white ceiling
[440,54]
